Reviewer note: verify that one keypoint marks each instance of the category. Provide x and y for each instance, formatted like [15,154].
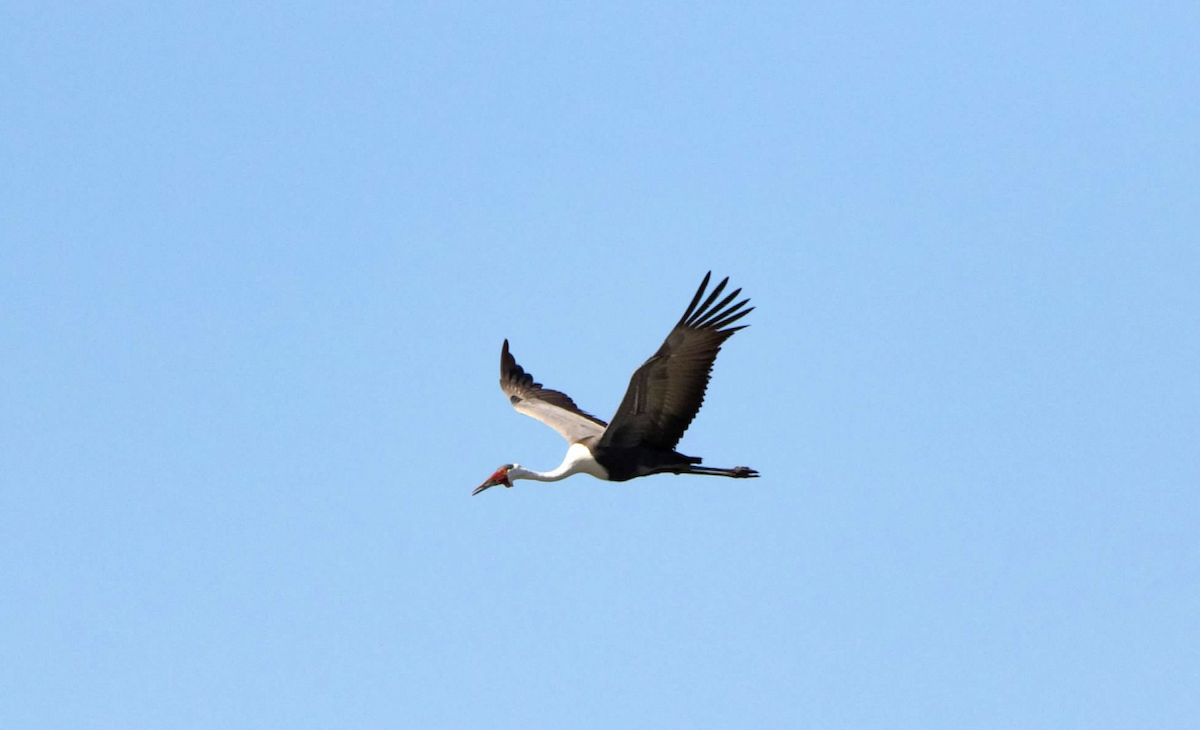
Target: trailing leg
[737,472]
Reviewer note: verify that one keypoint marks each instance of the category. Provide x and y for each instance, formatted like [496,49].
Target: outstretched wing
[666,392]
[551,407]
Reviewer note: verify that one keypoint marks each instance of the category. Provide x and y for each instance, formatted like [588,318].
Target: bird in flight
[664,396]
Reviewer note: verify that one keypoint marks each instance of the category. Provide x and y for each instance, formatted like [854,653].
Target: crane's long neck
[578,460]
[562,472]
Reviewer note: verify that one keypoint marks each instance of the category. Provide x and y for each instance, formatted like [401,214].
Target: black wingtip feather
[720,311]
[695,299]
[729,318]
[702,311]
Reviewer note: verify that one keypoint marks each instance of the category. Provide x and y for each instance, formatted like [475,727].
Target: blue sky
[257,265]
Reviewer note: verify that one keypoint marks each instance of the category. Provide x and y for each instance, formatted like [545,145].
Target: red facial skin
[500,476]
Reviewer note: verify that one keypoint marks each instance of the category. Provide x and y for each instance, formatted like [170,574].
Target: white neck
[577,461]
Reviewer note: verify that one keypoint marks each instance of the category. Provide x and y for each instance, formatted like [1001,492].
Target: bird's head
[500,476]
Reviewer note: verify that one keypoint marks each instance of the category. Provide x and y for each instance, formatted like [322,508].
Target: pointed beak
[500,476]
[485,485]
